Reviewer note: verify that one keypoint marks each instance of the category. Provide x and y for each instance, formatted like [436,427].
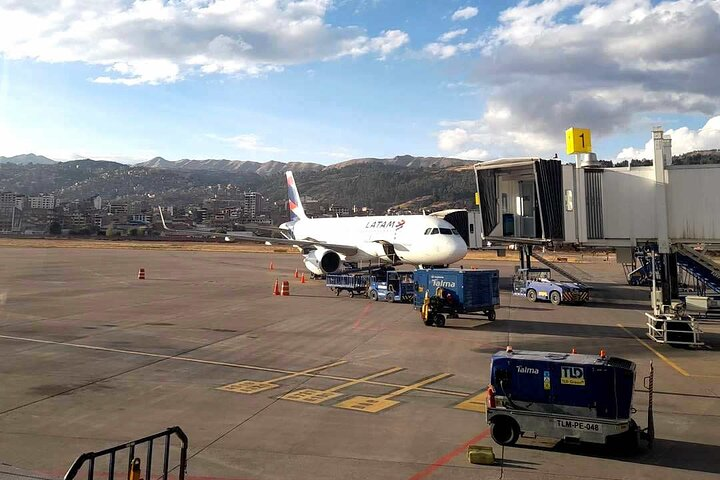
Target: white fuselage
[414,239]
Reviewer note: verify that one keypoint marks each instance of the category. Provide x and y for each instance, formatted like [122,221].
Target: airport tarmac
[310,386]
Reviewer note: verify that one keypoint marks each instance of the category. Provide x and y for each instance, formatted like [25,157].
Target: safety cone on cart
[296,273]
[141,274]
[302,279]
[276,287]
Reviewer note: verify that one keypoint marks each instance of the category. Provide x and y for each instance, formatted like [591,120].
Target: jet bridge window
[446,231]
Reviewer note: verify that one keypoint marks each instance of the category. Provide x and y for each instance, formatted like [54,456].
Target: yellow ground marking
[310,395]
[660,355]
[376,404]
[453,393]
[252,386]
[475,403]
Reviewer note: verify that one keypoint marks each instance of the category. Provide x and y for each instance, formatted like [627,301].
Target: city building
[339,210]
[118,208]
[42,202]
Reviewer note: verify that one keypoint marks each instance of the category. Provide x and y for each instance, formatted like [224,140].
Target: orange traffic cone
[272,267]
[296,273]
[141,274]
[276,287]
[302,279]
[285,289]
[573,351]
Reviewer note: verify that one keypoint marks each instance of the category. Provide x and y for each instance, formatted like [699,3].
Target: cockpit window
[455,232]
[435,231]
[427,232]
[446,231]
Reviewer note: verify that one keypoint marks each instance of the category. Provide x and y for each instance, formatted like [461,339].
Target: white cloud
[440,50]
[683,140]
[464,13]
[452,34]
[473,154]
[247,141]
[548,66]
[158,41]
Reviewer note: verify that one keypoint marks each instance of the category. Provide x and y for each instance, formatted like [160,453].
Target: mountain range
[27,159]
[417,182]
[271,167]
[262,168]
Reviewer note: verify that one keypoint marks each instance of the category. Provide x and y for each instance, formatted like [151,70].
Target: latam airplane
[327,244]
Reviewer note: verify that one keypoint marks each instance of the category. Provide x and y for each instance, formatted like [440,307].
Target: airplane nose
[459,248]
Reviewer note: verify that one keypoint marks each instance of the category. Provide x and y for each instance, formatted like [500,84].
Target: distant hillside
[27,159]
[700,157]
[234,166]
[380,187]
[407,161]
[271,167]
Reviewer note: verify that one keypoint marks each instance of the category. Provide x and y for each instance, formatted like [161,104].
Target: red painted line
[362,315]
[449,456]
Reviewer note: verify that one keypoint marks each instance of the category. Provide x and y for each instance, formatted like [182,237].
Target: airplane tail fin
[294,203]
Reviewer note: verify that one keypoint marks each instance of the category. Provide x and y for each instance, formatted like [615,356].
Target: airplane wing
[250,237]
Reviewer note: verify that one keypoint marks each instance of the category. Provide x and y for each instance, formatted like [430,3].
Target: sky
[326,81]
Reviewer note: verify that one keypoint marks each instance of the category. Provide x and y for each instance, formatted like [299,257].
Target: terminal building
[663,209]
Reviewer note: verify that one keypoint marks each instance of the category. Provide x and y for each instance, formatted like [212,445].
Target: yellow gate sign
[577,140]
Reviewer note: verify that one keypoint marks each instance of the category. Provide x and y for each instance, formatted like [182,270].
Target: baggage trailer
[353,283]
[452,291]
[572,397]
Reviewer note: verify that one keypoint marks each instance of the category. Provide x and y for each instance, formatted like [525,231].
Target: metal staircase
[556,267]
[700,267]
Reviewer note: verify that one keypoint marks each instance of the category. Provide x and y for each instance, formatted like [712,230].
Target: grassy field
[142,245]
[89,243]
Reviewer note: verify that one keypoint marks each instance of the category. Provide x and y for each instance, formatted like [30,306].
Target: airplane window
[455,232]
[446,231]
[427,232]
[435,231]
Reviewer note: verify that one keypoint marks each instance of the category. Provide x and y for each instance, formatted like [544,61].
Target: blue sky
[315,80]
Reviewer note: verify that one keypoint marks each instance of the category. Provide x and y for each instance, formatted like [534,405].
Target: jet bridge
[664,208]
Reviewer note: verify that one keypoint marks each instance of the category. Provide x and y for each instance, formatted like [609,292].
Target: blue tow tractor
[537,284]
[441,292]
[572,397]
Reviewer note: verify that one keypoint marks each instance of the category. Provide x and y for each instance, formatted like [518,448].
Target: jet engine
[321,261]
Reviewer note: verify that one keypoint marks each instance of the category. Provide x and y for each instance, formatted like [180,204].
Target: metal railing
[133,463]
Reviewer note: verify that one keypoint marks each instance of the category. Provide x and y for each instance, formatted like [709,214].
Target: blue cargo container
[570,396]
[453,291]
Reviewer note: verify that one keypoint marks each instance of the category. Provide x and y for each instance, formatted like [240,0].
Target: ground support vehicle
[441,292]
[391,286]
[572,397]
[353,283]
[537,284]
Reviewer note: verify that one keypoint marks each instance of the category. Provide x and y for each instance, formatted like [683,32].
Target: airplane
[330,244]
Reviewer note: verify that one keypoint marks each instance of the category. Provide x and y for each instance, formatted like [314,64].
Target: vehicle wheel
[352,294]
[337,292]
[555,297]
[429,321]
[532,295]
[389,297]
[491,315]
[439,320]
[505,431]
[373,295]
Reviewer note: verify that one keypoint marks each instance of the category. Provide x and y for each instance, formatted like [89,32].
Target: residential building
[118,208]
[42,202]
